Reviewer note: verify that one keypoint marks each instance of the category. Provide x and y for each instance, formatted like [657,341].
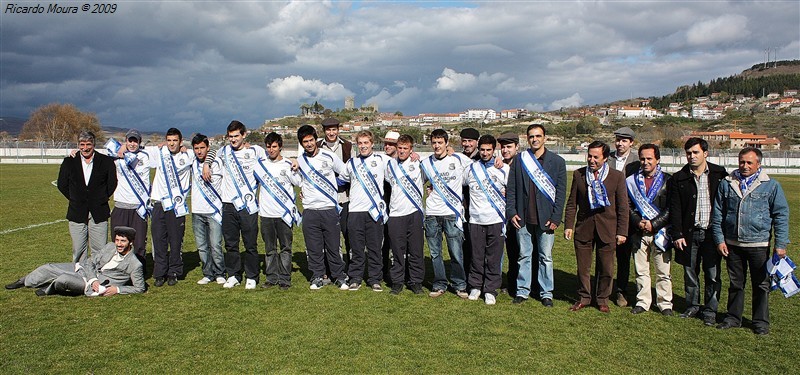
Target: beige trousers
[661,261]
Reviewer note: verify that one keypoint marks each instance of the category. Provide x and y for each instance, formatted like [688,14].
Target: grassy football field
[191,328]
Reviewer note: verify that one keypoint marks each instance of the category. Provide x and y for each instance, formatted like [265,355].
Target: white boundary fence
[774,162]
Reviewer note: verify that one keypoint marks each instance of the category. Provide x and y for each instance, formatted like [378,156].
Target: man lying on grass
[113,270]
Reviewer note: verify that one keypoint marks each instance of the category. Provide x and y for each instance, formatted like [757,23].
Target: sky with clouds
[197,65]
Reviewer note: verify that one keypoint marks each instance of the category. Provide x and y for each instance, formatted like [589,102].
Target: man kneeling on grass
[113,270]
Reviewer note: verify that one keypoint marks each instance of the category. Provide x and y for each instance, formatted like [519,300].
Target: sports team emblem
[452,166]
[248,197]
[411,167]
[324,164]
[182,162]
[178,200]
[373,164]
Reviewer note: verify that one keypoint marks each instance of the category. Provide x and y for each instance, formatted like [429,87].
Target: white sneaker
[204,281]
[474,294]
[250,284]
[490,299]
[220,280]
[232,282]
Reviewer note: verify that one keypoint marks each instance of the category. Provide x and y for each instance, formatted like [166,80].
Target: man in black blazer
[87,180]
[691,193]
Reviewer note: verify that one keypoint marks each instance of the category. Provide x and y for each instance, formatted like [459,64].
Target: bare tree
[56,123]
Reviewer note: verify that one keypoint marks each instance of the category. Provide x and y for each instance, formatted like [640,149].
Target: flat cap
[625,132]
[507,138]
[391,136]
[126,232]
[330,121]
[470,133]
[133,133]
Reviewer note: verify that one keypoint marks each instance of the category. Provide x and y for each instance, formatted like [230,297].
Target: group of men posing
[619,205]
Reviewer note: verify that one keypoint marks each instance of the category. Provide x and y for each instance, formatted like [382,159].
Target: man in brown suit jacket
[599,200]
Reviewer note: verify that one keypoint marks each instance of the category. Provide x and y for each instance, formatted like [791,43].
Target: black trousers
[512,251]
[235,223]
[129,218]
[487,250]
[278,259]
[321,234]
[167,231]
[406,236]
[739,260]
[366,239]
[624,254]
[702,254]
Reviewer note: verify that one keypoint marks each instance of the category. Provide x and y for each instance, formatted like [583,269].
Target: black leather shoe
[396,289]
[16,284]
[691,312]
[666,312]
[726,325]
[40,292]
[518,300]
[159,281]
[172,280]
[415,288]
[547,302]
[637,310]
[761,331]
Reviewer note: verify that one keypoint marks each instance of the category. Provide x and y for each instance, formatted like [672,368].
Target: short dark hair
[273,138]
[650,146]
[440,133]
[748,150]
[126,232]
[305,131]
[405,138]
[600,144]
[487,139]
[534,126]
[199,138]
[236,125]
[174,131]
[691,142]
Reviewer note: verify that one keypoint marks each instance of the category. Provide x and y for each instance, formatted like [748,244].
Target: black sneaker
[40,292]
[518,300]
[396,289]
[159,281]
[285,286]
[16,284]
[710,320]
[415,288]
[316,284]
[267,285]
[547,302]
[172,280]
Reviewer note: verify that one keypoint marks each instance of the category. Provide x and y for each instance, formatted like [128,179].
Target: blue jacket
[751,218]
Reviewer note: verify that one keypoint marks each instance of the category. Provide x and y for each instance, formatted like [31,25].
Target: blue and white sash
[243,199]
[112,146]
[176,196]
[493,194]
[450,198]
[538,175]
[598,197]
[318,180]
[644,203]
[279,194]
[138,187]
[745,182]
[208,192]
[407,185]
[378,209]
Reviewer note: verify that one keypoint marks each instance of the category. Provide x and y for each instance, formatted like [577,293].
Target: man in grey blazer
[627,162]
[112,270]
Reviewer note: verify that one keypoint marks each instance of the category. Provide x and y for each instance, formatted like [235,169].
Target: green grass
[205,329]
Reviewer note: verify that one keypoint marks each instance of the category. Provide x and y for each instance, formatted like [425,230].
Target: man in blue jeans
[207,213]
[444,213]
[748,208]
[537,189]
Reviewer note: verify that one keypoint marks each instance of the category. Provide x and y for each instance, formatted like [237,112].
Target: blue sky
[198,65]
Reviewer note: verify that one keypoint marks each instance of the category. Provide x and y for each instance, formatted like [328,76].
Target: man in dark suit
[599,201]
[691,193]
[626,161]
[87,180]
[537,189]
[109,271]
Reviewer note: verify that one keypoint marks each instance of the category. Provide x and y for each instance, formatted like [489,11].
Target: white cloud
[296,88]
[723,29]
[454,81]
[534,107]
[386,99]
[572,101]
[370,87]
